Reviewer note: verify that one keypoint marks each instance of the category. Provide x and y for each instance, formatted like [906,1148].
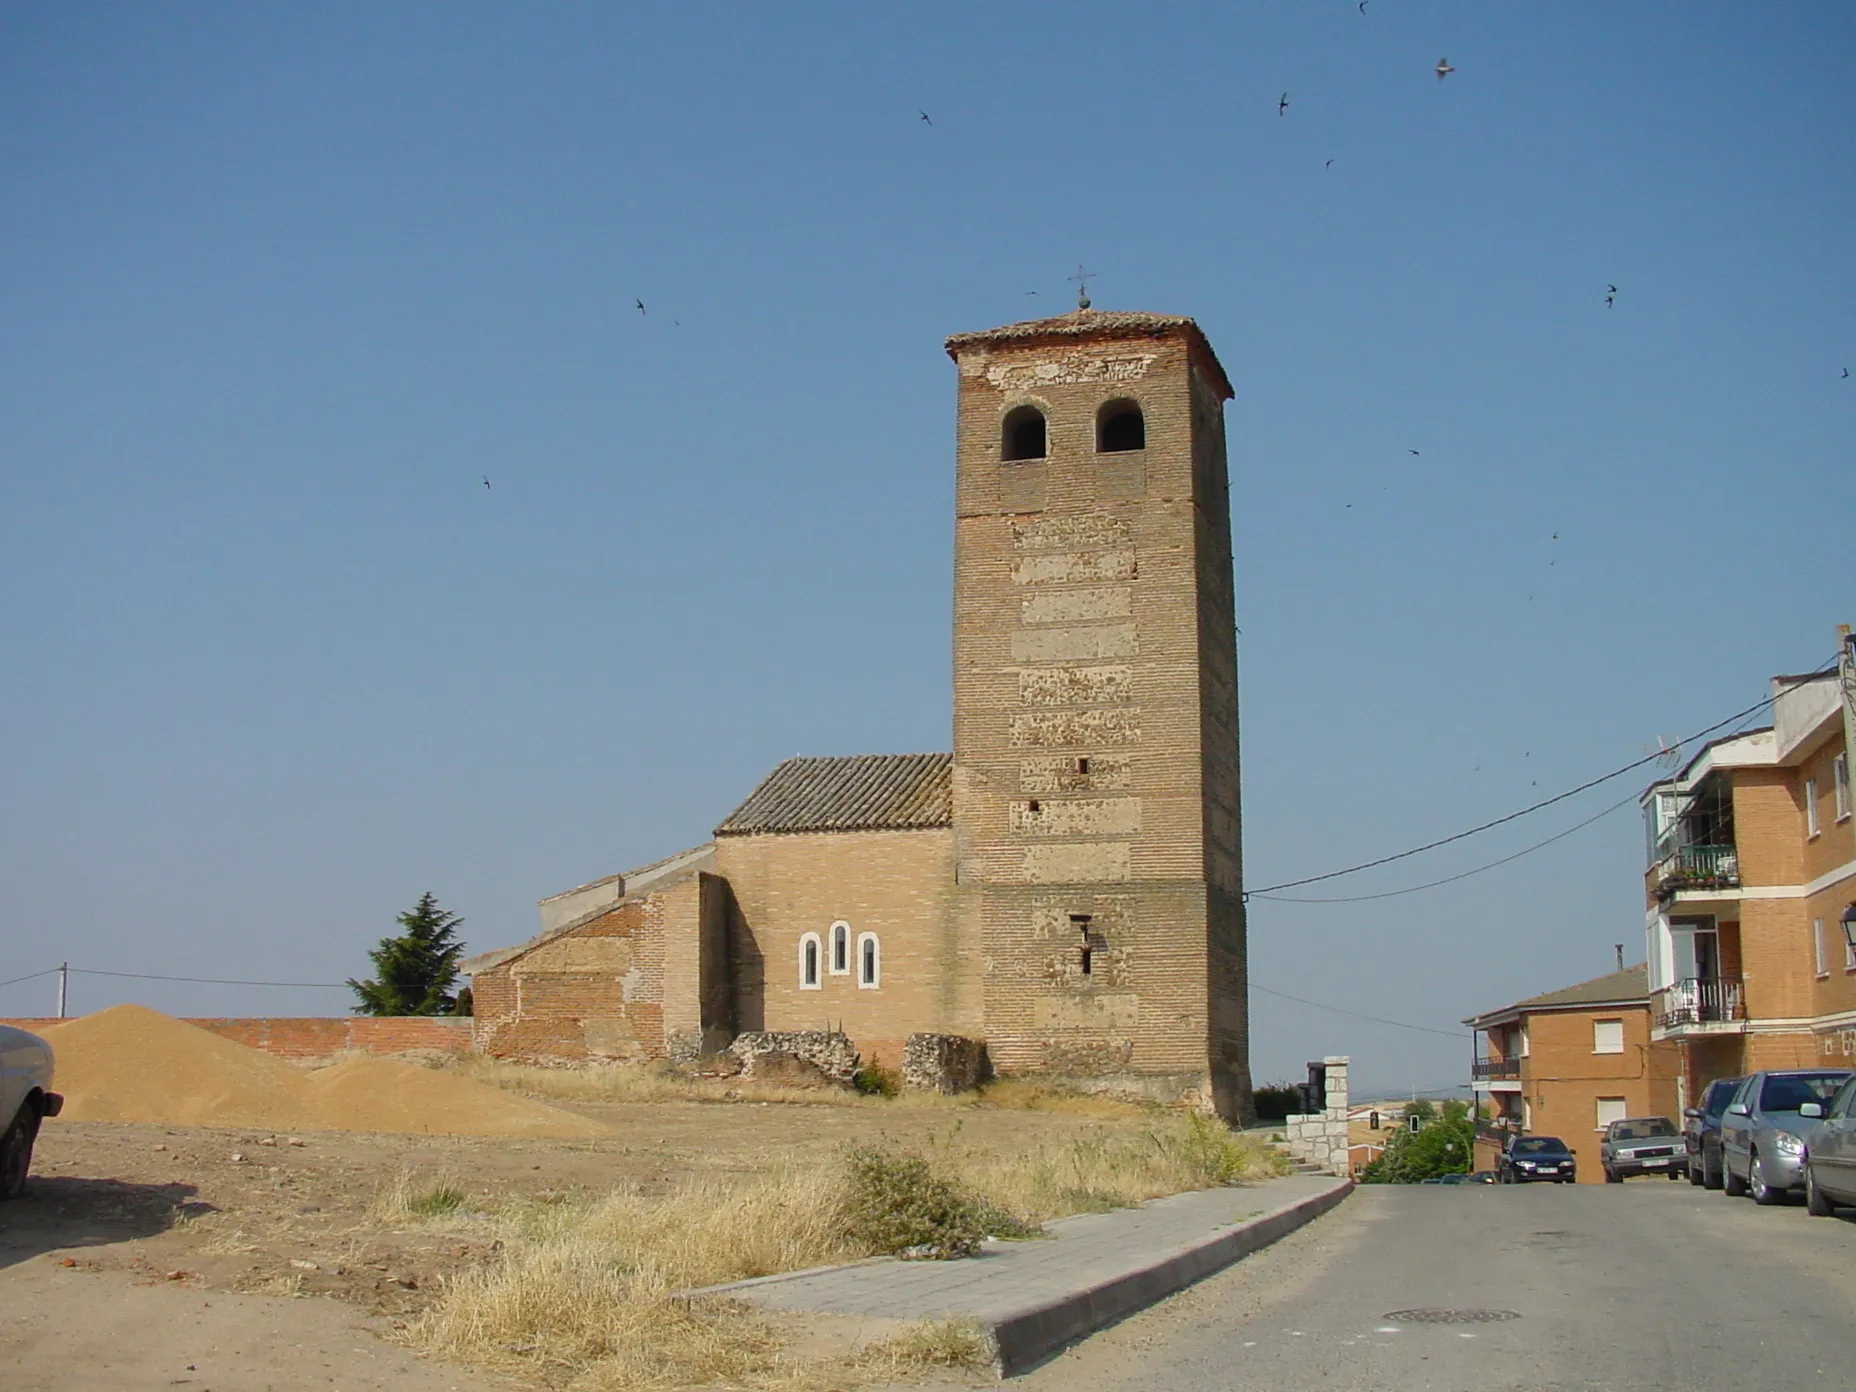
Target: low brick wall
[320,1038]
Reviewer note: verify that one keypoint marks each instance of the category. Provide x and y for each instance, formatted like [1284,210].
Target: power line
[1452,879]
[49,971]
[210,980]
[1376,1019]
[1525,811]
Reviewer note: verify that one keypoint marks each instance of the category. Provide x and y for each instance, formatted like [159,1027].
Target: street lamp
[1849,925]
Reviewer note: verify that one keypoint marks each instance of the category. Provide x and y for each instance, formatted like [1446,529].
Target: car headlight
[1787,1144]
[1525,1164]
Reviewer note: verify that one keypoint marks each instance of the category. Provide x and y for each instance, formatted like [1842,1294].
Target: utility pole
[64,986]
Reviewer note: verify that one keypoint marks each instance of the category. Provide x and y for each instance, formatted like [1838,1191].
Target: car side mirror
[1811,1109]
[1737,1109]
[1692,1113]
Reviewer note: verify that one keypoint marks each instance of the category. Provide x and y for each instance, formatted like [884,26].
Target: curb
[1027,1336]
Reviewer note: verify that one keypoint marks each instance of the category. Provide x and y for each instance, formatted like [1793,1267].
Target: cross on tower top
[1082,279]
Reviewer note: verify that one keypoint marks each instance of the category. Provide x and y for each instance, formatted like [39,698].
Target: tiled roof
[863,792]
[1630,986]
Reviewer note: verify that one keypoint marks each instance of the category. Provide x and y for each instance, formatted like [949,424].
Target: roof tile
[862,792]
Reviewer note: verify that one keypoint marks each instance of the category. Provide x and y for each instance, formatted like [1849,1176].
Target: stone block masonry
[946,1063]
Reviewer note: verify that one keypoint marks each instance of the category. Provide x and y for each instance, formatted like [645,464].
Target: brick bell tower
[1096,814]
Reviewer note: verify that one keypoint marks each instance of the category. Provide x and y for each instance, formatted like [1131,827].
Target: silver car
[1763,1132]
[1830,1153]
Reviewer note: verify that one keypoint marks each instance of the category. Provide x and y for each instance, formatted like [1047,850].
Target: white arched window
[840,948]
[869,962]
[809,953]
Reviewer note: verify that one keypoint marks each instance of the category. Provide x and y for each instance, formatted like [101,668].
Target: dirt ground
[140,1248]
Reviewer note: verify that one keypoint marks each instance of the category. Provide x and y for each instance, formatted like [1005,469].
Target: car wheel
[1710,1171]
[16,1151]
[1674,1175]
[1612,1176]
[1695,1169]
[1816,1204]
[1734,1186]
[1764,1194]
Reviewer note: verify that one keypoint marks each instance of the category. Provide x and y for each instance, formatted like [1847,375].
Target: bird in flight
[1411,451]
[1031,292]
[486,480]
[1443,69]
[1282,105]
[1328,165]
[1611,299]
[924,116]
[1846,372]
[1362,6]
[640,304]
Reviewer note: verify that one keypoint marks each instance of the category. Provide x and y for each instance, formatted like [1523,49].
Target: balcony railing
[1495,1070]
[1711,1001]
[1697,867]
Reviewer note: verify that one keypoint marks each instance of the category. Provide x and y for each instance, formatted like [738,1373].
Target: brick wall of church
[898,885]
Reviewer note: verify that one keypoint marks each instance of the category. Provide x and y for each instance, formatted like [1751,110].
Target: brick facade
[1776,920]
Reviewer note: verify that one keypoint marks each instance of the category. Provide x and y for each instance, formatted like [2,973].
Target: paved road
[1645,1285]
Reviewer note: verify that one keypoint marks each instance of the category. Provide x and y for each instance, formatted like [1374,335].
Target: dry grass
[657,1082]
[586,1293]
[637,1082]
[410,1198]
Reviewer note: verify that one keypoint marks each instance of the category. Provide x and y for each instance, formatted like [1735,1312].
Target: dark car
[1536,1160]
[1701,1132]
[1483,1177]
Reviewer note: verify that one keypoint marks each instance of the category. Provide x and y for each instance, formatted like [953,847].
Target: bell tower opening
[1023,434]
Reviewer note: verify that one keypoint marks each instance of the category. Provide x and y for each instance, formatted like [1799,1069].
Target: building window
[1607,1036]
[1818,964]
[1086,948]
[1022,436]
[1611,1109]
[1810,807]
[1840,780]
[1520,1035]
[840,949]
[808,962]
[1120,427]
[869,962]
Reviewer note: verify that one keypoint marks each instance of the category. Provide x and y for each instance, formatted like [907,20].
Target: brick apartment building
[1067,884]
[1751,854]
[1569,1062]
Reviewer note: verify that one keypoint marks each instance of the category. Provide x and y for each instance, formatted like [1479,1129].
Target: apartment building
[1570,1062]
[1748,893]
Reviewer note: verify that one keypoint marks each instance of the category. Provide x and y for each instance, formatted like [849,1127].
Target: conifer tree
[414,972]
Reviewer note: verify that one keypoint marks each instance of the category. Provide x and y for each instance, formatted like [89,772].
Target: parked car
[1763,1130]
[1701,1132]
[26,1099]
[1830,1153]
[1483,1177]
[1640,1145]
[1536,1159]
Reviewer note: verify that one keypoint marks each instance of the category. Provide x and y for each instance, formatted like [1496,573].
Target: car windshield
[1537,1145]
[1787,1093]
[1642,1129]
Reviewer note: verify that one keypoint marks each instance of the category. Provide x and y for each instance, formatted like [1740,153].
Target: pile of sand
[133,1064]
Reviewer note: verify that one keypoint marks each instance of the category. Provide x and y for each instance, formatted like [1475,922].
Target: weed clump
[898,1206]
[874,1080]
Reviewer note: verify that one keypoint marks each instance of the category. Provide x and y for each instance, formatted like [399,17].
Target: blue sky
[282,285]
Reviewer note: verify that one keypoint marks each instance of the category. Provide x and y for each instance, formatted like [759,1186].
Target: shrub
[440,1199]
[897,1205]
[1277,1101]
[874,1080]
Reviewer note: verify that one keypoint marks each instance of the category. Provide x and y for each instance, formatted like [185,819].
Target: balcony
[1492,1070]
[1715,1005]
[1696,867]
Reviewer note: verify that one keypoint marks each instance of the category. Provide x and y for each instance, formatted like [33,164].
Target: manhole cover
[1452,1316]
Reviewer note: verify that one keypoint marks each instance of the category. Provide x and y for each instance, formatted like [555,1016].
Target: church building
[1065,886]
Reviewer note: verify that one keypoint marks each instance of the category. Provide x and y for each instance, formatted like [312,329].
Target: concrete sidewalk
[1035,1297]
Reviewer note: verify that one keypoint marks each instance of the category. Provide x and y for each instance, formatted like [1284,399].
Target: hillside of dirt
[129,1063]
